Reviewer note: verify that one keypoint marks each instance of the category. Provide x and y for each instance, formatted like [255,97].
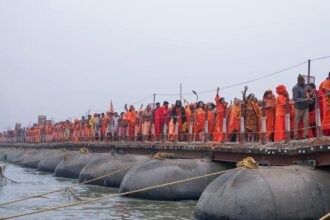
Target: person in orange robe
[235,120]
[104,121]
[76,128]
[49,132]
[61,132]
[210,121]
[189,124]
[131,119]
[321,100]
[200,118]
[171,126]
[161,118]
[87,128]
[270,112]
[221,107]
[279,134]
[55,132]
[326,107]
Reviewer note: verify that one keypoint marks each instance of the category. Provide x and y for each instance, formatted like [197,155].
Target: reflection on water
[33,182]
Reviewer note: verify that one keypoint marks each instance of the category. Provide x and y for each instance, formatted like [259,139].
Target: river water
[31,182]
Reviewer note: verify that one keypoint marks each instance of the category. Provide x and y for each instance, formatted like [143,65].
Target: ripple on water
[35,182]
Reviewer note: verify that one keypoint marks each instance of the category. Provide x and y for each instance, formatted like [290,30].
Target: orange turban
[281,90]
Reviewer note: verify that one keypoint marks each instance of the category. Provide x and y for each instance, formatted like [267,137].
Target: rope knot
[162,156]
[84,150]
[248,163]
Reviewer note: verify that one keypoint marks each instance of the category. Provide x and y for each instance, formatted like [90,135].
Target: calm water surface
[34,182]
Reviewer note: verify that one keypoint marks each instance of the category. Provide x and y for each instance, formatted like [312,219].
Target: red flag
[112,109]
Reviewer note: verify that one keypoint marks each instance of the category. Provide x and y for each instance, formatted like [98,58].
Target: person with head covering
[131,119]
[221,107]
[189,111]
[87,135]
[269,105]
[321,97]
[252,115]
[299,92]
[122,126]
[311,94]
[199,119]
[326,107]
[76,128]
[279,133]
[161,117]
[146,122]
[234,120]
[178,115]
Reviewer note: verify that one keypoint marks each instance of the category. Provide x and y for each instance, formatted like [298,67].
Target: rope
[162,156]
[72,186]
[327,216]
[246,163]
[84,150]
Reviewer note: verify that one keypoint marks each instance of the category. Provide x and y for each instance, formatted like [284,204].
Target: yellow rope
[84,150]
[161,156]
[247,162]
[327,216]
[72,186]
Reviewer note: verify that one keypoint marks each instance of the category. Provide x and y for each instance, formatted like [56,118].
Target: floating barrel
[73,163]
[107,164]
[32,158]
[13,154]
[291,192]
[50,163]
[157,172]
[3,152]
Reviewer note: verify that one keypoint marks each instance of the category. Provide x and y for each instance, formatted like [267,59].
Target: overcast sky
[63,57]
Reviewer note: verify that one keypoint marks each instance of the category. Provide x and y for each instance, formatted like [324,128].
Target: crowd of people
[304,115]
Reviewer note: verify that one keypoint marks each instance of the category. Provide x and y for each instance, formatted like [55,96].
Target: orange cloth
[218,128]
[235,119]
[104,125]
[270,112]
[188,115]
[326,105]
[280,113]
[321,94]
[171,130]
[210,119]
[76,131]
[131,119]
[200,116]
